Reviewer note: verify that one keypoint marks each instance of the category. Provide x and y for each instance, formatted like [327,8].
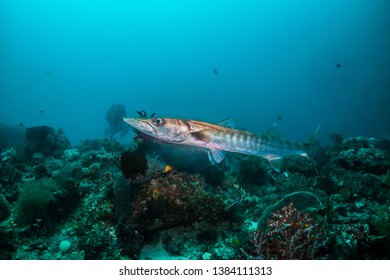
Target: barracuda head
[170,130]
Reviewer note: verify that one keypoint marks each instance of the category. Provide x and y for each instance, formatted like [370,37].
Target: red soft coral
[291,235]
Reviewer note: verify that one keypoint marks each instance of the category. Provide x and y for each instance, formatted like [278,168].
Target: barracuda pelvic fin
[215,156]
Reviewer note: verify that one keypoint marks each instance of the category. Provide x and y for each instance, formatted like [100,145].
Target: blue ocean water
[64,63]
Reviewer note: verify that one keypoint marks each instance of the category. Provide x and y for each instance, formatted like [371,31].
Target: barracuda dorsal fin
[274,130]
[227,123]
[314,135]
[215,156]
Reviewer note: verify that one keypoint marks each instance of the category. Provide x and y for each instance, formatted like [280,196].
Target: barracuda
[220,138]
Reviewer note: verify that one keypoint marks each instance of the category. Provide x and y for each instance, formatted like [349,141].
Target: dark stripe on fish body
[264,142]
[219,136]
[187,124]
[202,135]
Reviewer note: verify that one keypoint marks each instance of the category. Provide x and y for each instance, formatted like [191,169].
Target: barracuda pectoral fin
[215,156]
[275,162]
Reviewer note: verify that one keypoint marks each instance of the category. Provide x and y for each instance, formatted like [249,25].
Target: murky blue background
[74,59]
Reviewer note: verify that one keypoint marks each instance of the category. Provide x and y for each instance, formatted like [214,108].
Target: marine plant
[133,164]
[114,117]
[40,139]
[33,201]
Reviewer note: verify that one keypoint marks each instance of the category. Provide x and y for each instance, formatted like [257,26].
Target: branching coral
[291,235]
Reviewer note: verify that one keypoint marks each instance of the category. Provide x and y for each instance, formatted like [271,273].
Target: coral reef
[5,208]
[103,200]
[175,199]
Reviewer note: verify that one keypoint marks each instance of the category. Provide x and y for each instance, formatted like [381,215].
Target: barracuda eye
[158,122]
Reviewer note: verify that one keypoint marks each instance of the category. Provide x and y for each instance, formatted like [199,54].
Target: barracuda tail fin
[312,145]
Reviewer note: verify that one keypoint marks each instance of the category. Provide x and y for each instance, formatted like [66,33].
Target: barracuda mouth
[141,125]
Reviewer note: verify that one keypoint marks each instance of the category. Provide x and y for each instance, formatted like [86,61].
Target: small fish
[41,111]
[215,71]
[143,114]
[167,169]
[220,138]
[339,65]
[155,193]
[279,117]
[21,124]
